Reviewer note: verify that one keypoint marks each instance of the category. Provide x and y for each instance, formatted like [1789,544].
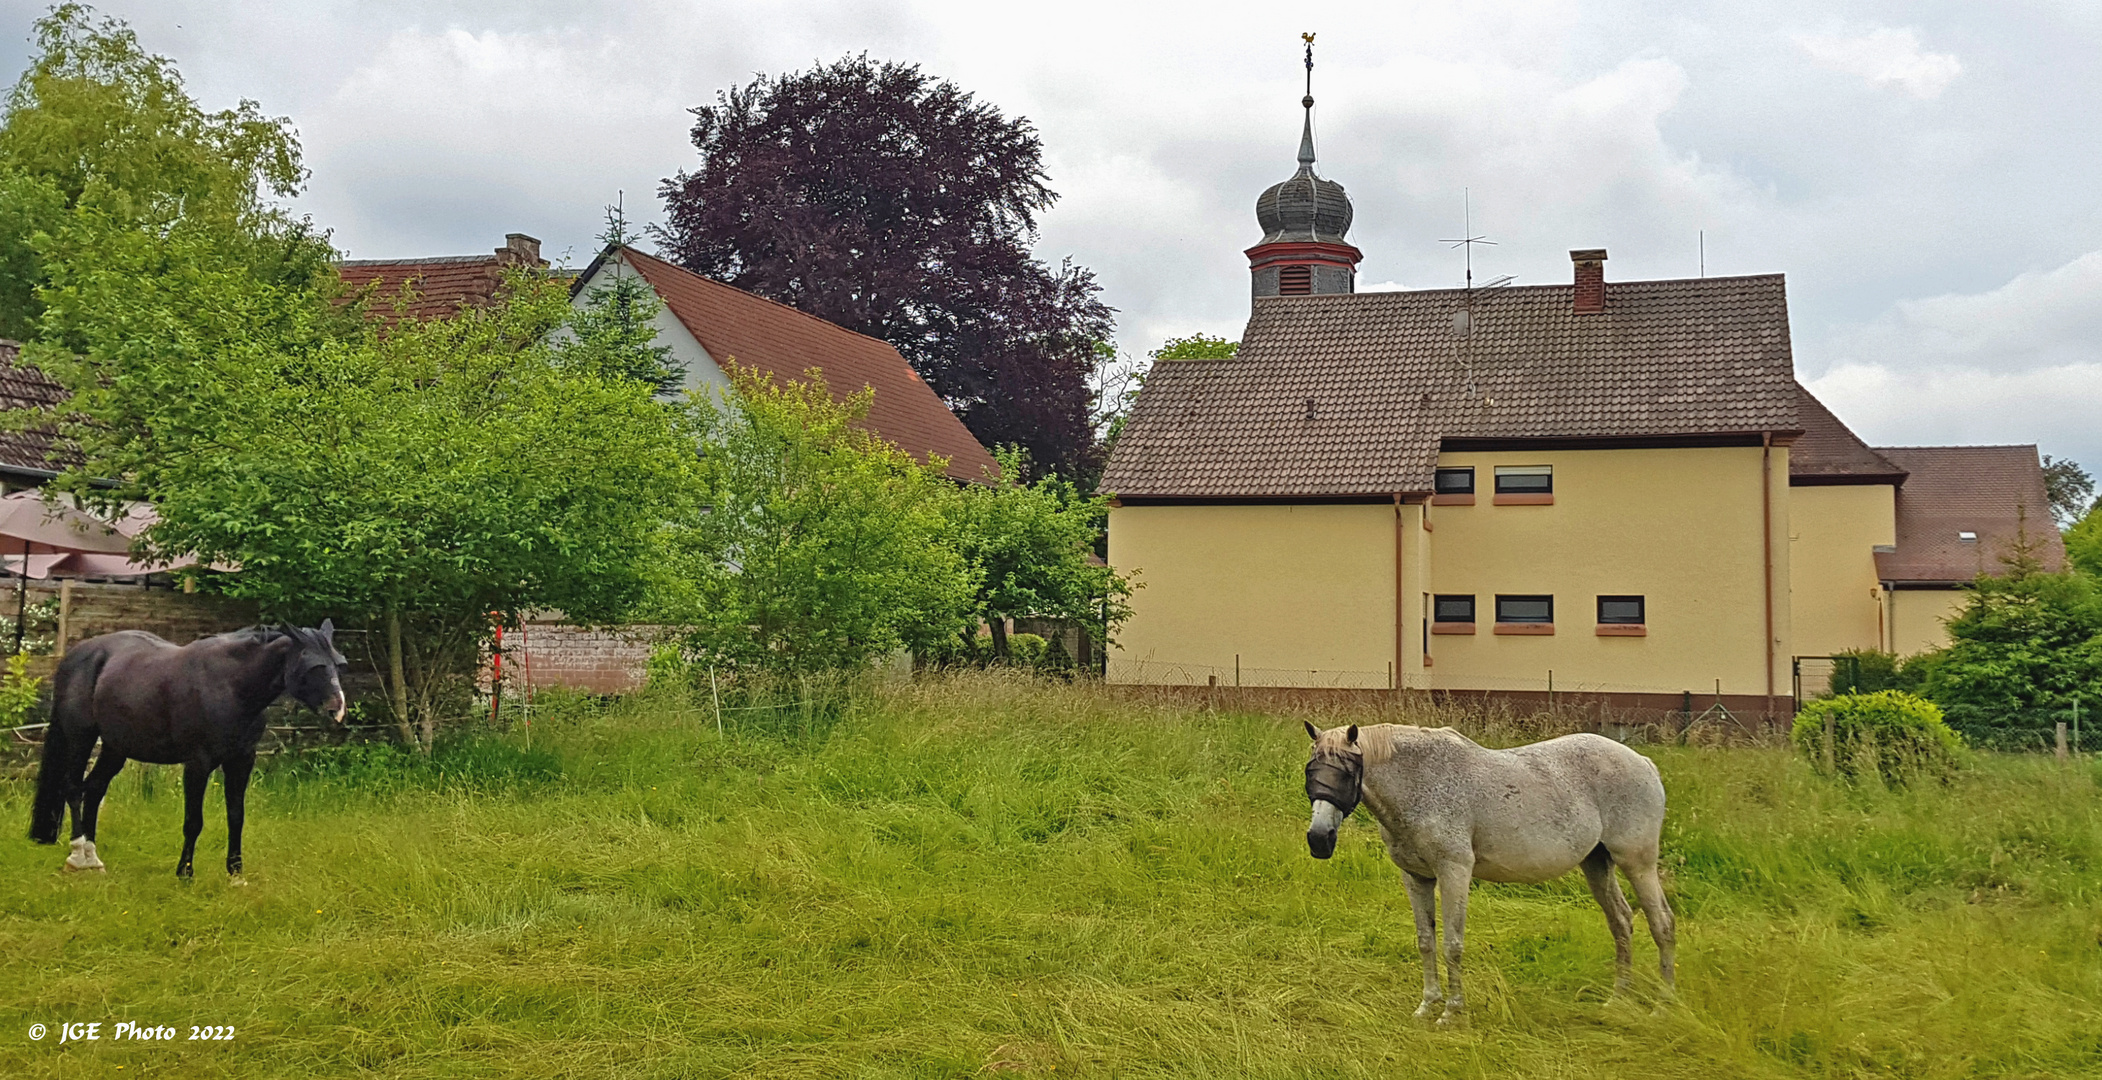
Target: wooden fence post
[65,615]
[2061,740]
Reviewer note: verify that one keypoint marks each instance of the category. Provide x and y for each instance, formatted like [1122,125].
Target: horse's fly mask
[1334,782]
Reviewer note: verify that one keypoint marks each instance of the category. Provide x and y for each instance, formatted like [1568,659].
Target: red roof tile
[438,287]
[1990,491]
[1354,394]
[24,387]
[1828,452]
[783,342]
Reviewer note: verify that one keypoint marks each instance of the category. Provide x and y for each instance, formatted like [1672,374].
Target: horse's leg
[196,778]
[1620,918]
[1453,881]
[92,790]
[237,770]
[1656,911]
[1423,897]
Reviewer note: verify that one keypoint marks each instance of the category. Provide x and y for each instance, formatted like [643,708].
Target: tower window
[1295,280]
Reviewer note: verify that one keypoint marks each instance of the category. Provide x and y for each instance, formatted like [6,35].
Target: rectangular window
[1455,481]
[1525,479]
[1620,611]
[1525,609]
[1454,609]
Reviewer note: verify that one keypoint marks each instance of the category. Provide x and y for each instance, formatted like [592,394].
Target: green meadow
[999,877]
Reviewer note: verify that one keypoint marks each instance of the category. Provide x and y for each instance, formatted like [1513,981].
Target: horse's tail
[68,740]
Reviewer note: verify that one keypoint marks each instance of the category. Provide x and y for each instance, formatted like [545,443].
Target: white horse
[1451,811]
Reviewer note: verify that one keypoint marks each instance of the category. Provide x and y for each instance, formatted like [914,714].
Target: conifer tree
[615,332]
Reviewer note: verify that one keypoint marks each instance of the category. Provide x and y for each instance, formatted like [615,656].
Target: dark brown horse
[198,705]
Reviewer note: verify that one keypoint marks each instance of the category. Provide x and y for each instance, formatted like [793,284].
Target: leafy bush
[1889,735]
[20,692]
[1027,649]
[1865,671]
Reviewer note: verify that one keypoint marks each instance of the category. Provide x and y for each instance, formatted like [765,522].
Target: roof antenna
[1704,253]
[1463,319]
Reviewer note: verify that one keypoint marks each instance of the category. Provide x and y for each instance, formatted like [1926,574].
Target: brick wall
[547,654]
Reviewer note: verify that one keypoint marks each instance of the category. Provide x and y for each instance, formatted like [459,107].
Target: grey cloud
[1906,174]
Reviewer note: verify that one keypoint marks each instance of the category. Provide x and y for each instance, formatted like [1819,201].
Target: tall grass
[991,875]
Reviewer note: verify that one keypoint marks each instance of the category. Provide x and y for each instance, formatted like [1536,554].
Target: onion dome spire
[1305,208]
[1304,220]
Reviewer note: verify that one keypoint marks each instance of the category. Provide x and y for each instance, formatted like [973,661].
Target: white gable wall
[703,374]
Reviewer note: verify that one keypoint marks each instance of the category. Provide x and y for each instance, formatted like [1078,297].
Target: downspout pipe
[1401,610]
[1766,537]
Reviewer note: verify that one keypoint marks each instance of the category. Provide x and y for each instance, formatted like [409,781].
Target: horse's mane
[261,635]
[1383,742]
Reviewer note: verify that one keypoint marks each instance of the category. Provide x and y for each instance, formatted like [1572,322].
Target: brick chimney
[519,250]
[1590,280]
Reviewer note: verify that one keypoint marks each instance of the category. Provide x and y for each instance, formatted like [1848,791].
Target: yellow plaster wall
[1303,594]
[1918,618]
[1680,527]
[1834,595]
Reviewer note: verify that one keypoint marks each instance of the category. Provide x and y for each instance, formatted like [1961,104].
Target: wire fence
[1547,681]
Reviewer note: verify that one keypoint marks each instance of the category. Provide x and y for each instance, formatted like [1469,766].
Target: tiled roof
[24,387]
[1986,490]
[1828,452]
[783,342]
[440,287]
[1353,394]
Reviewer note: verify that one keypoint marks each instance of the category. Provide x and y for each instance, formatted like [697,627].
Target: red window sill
[1541,498]
[1452,628]
[1622,630]
[1452,500]
[1543,629]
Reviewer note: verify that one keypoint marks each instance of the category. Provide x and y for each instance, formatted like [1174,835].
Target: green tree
[101,135]
[1031,545]
[2084,543]
[416,478]
[2025,645]
[1196,347]
[2070,489]
[821,547]
[615,330]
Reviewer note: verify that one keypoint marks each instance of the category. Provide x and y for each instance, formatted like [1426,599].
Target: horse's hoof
[1429,1006]
[83,857]
[1452,1020]
[75,868]
[237,881]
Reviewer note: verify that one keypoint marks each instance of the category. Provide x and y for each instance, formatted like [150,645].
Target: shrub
[20,693]
[1890,735]
[1026,649]
[1865,671]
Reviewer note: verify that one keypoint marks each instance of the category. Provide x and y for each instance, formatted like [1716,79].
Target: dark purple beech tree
[896,204]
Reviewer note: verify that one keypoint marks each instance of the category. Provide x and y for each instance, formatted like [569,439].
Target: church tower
[1304,219]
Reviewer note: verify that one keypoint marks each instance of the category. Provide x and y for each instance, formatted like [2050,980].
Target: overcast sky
[1925,174]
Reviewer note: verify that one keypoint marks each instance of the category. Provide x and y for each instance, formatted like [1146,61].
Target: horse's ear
[1351,737]
[1312,732]
[328,629]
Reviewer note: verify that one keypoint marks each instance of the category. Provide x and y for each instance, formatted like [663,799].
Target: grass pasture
[986,877]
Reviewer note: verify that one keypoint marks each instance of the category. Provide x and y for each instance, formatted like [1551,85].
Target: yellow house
[1618,491]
